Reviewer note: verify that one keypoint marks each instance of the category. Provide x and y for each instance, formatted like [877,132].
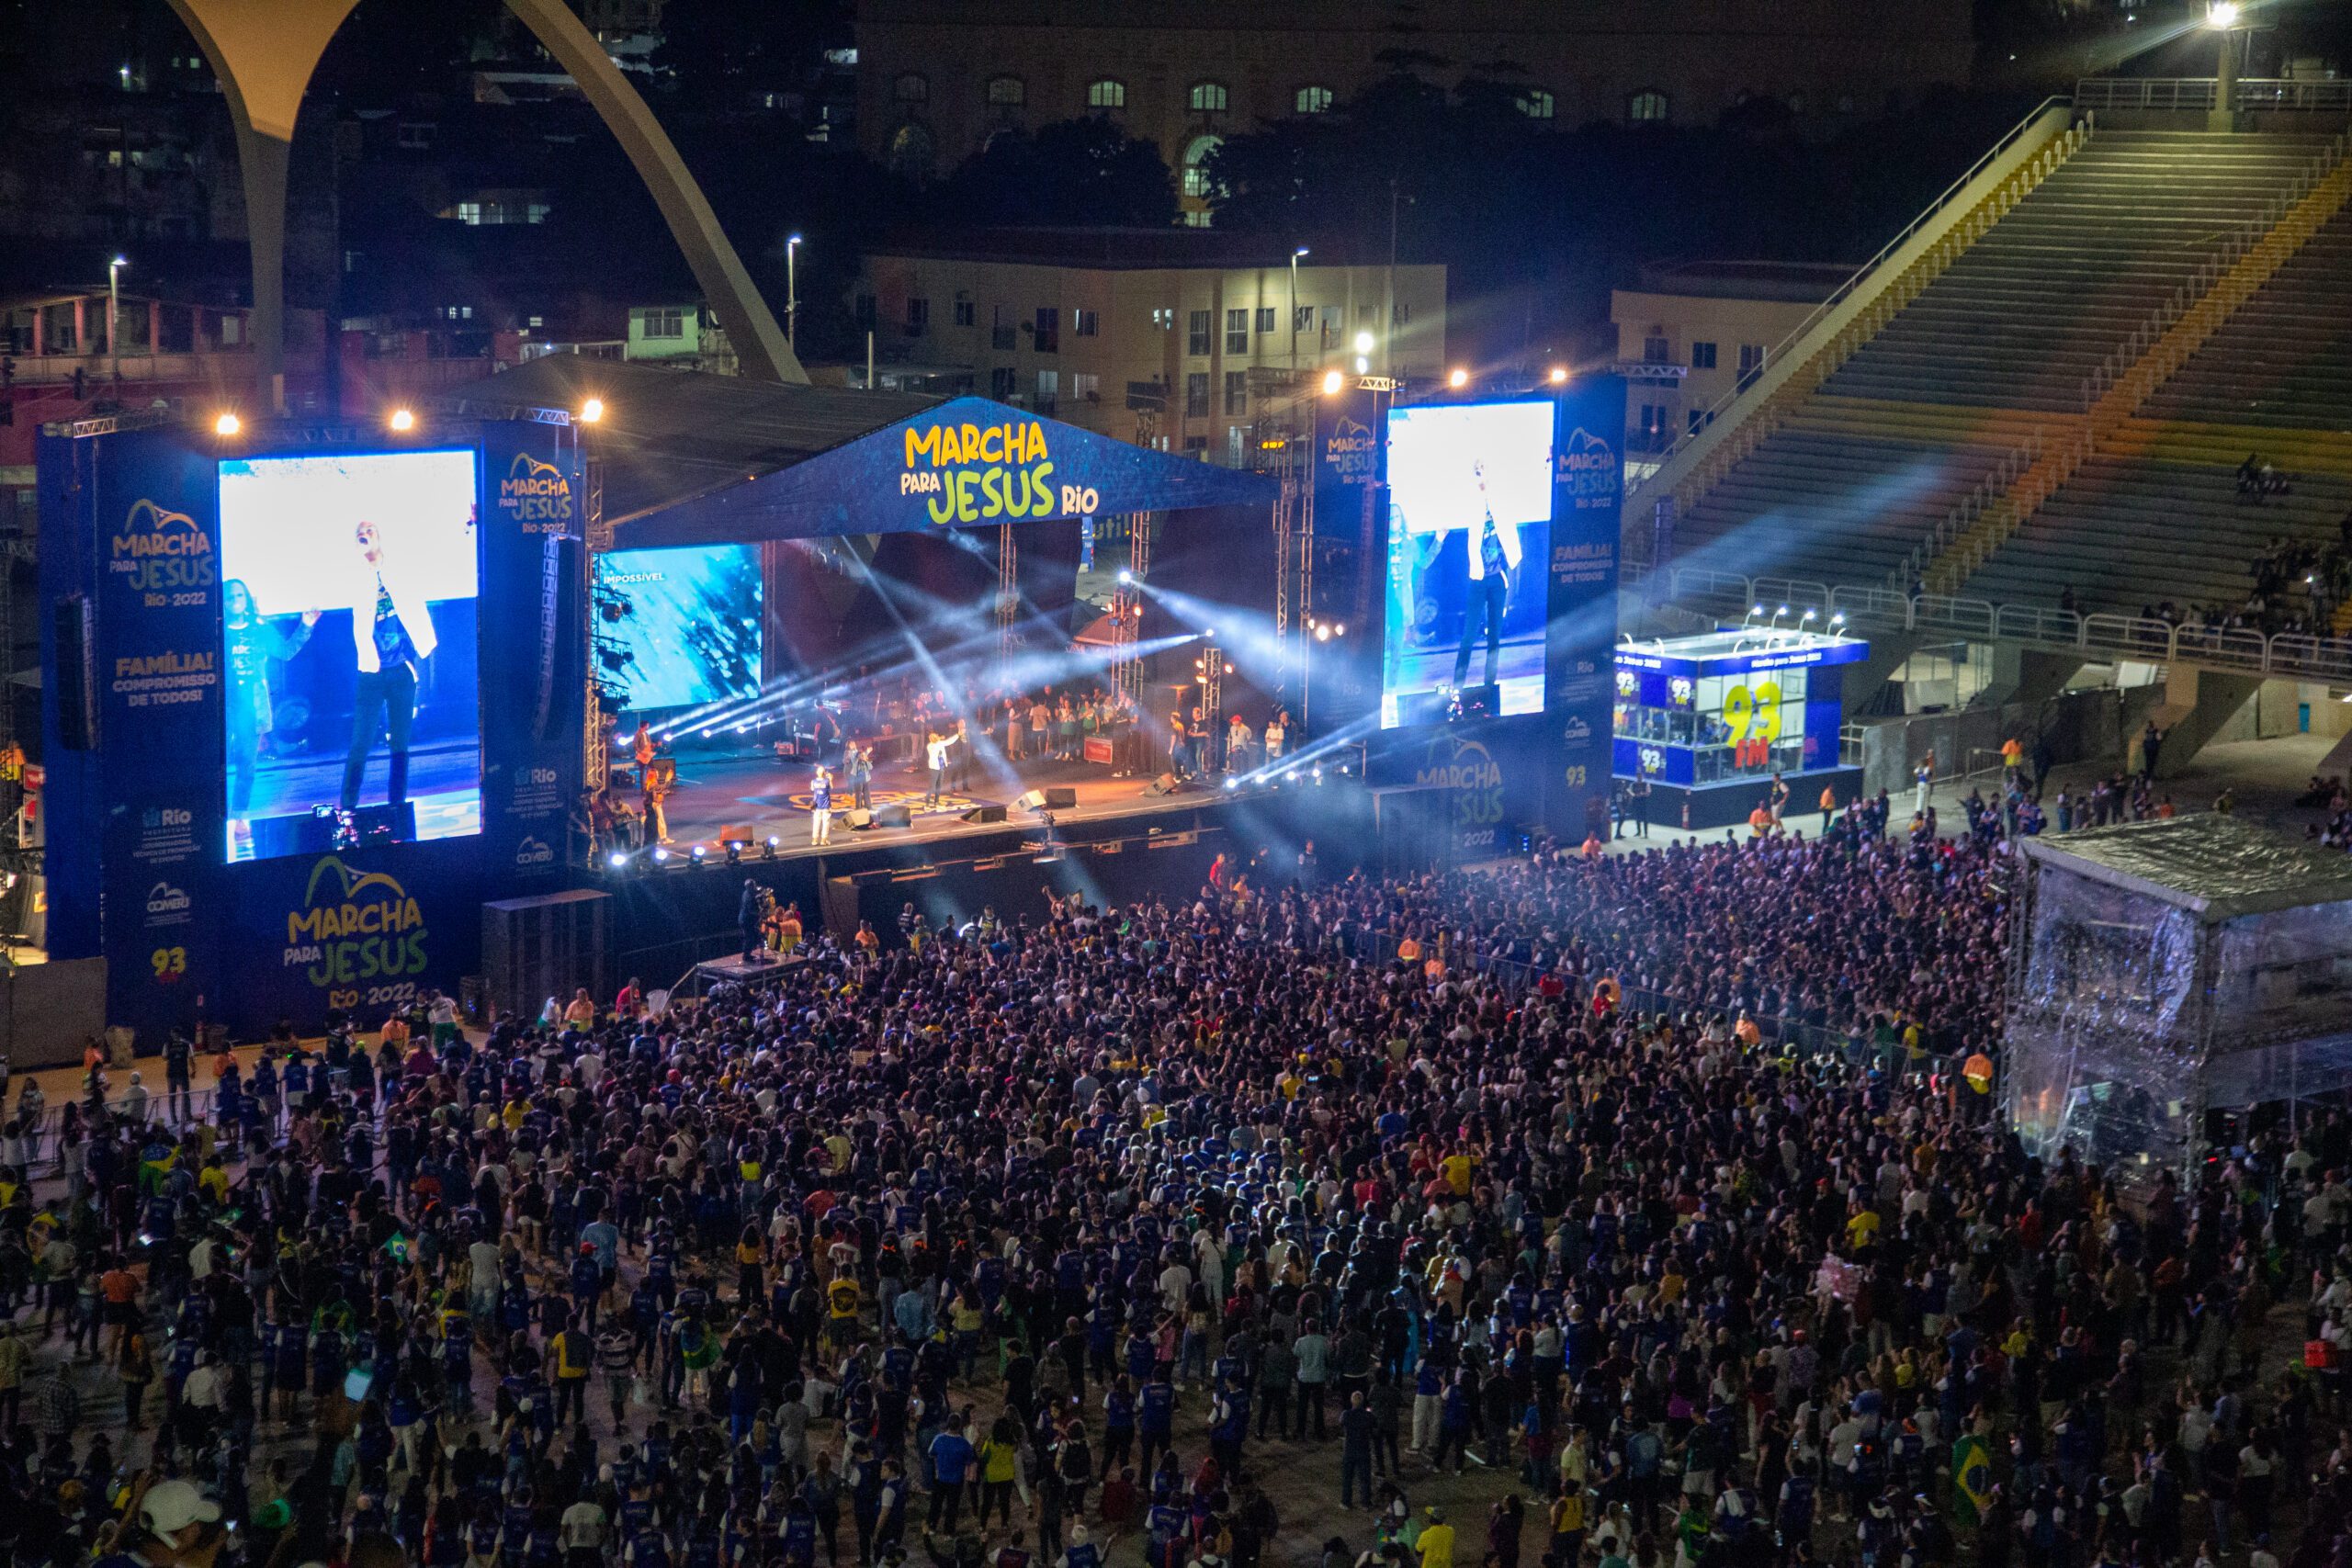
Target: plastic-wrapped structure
[2165,969]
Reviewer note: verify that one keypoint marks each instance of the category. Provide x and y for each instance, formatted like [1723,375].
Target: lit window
[1208,98]
[1086,387]
[1648,107]
[1237,331]
[1197,184]
[1007,92]
[1313,100]
[1086,323]
[1106,95]
[668,323]
[1536,103]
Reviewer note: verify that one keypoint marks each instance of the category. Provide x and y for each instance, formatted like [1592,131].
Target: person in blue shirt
[950,1457]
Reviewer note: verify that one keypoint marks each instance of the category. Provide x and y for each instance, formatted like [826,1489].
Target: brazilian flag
[1972,1479]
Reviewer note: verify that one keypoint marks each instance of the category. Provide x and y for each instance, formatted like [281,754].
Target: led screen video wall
[689,620]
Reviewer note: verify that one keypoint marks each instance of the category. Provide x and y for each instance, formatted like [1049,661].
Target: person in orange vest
[1759,821]
[1829,806]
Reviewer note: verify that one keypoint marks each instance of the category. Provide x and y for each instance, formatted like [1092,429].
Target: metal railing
[2258,93]
[1862,274]
[2298,656]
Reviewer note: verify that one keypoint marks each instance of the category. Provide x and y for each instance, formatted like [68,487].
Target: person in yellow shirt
[1861,1228]
[1437,1542]
[1456,1168]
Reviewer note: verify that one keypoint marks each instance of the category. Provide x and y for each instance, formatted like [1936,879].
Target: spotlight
[1458,378]
[1322,632]
[1232,781]
[1125,577]
[616,859]
[592,411]
[227,425]
[1332,382]
[773,844]
[734,854]
[661,856]
[1208,631]
[698,852]
[403,420]
[2221,14]
[1318,773]
[1363,343]
[1559,375]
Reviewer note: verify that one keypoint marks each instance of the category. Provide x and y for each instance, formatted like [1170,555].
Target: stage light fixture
[403,419]
[1125,577]
[661,856]
[773,844]
[1322,631]
[227,425]
[1363,343]
[1232,783]
[734,854]
[616,859]
[1559,375]
[1332,382]
[1457,379]
[2221,14]
[592,411]
[698,852]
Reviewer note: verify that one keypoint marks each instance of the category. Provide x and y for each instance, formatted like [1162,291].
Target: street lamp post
[114,350]
[2223,17]
[1294,308]
[792,290]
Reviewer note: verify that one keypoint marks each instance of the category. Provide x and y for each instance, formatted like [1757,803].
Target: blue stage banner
[1589,495]
[1492,772]
[968,463]
[152,544]
[534,583]
[359,931]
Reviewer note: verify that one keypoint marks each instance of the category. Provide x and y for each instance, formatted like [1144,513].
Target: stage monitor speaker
[858,817]
[77,683]
[1060,798]
[1164,784]
[987,812]
[1030,800]
[536,948]
[898,816]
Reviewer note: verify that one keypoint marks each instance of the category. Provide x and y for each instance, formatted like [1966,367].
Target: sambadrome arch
[263,52]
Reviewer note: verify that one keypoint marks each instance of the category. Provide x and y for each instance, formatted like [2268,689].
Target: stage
[752,799]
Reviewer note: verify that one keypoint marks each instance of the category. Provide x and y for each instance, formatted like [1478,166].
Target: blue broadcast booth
[1708,720]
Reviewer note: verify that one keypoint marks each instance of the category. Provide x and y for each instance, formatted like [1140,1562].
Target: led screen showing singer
[1469,534]
[349,668]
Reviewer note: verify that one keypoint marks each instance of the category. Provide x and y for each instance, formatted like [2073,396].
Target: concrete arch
[265,51]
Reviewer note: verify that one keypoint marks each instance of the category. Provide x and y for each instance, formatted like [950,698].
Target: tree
[1074,172]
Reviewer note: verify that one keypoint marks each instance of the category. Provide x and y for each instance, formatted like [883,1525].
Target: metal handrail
[2286,655]
[2113,93]
[1845,290]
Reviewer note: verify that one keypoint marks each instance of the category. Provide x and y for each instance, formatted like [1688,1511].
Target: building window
[1106,95]
[1650,435]
[1236,441]
[1751,362]
[1085,387]
[1196,394]
[416,135]
[1002,382]
[1654,351]
[1537,103]
[911,88]
[1049,330]
[1007,92]
[1049,390]
[1647,107]
[1335,321]
[910,152]
[966,314]
[1697,421]
[1002,337]
[1208,98]
[1265,318]
[1302,319]
[918,317]
[1237,392]
[1402,314]
[1196,156]
[1164,317]
[469,212]
[1196,445]
[670,322]
[1703,356]
[1086,323]
[1237,331]
[1313,100]
[1196,335]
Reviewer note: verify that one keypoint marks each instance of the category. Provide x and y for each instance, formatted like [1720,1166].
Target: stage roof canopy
[691,458]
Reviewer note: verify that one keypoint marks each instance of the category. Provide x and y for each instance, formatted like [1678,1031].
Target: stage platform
[738,970]
[754,798]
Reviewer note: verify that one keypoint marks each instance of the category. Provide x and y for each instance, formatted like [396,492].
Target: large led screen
[348,643]
[1469,537]
[689,620]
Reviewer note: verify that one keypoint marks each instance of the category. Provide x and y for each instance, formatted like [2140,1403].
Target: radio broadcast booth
[1708,720]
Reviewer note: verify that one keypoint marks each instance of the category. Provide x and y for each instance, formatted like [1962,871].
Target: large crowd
[1135,1237]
